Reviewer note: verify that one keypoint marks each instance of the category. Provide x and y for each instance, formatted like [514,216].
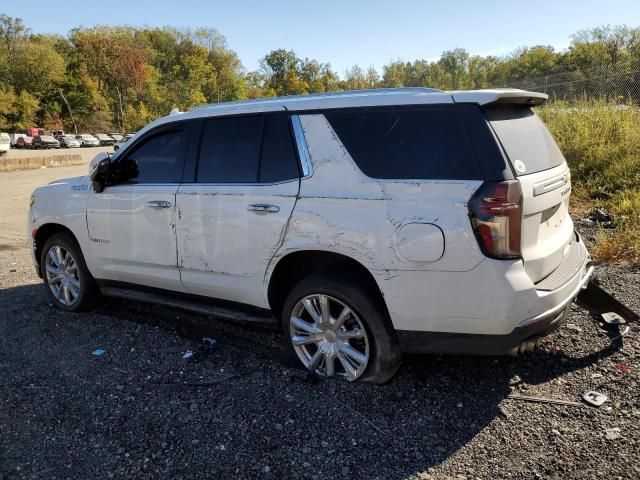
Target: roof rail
[372,91]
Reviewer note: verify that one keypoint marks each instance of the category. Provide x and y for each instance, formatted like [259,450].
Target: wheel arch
[44,232]
[295,266]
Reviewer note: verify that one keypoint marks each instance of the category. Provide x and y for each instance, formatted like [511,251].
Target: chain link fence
[612,83]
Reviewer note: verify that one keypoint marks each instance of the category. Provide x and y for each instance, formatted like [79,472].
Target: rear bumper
[478,344]
[488,310]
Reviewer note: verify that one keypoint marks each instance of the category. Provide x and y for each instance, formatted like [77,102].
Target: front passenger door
[132,224]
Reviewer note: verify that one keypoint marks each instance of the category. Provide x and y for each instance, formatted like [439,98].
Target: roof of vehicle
[354,98]
[375,97]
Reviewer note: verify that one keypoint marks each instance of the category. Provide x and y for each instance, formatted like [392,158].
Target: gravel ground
[243,408]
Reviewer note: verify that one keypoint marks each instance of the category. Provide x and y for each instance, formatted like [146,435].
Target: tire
[64,270]
[342,289]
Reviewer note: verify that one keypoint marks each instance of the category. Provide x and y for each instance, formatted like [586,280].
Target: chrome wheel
[329,337]
[62,274]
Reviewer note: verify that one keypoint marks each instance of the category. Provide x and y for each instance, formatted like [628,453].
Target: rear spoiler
[500,95]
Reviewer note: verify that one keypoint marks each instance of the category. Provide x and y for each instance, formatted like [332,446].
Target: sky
[348,32]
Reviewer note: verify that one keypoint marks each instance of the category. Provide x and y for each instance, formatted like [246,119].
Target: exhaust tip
[525,346]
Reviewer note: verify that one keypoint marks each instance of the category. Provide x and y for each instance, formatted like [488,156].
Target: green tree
[7,98]
[355,79]
[25,108]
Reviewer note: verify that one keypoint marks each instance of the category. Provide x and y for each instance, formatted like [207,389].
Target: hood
[64,186]
[83,179]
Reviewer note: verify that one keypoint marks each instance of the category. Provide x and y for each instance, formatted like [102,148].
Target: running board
[198,305]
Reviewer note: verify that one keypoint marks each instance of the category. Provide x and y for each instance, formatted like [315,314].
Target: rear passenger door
[233,214]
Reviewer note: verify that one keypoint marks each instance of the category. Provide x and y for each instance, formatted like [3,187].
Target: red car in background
[24,142]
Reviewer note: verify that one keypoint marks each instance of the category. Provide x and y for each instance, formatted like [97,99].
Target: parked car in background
[87,140]
[105,139]
[57,134]
[14,138]
[5,143]
[69,141]
[124,140]
[45,141]
[24,142]
[116,136]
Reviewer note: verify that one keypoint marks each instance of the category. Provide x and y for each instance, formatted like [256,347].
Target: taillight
[496,216]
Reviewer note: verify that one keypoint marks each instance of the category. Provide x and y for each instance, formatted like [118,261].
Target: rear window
[407,143]
[524,137]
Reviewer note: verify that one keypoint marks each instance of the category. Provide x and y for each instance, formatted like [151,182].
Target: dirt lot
[243,408]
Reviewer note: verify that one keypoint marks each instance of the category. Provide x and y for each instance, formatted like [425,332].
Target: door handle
[158,204]
[263,208]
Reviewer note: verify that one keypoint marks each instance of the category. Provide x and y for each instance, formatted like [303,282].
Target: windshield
[87,137]
[525,138]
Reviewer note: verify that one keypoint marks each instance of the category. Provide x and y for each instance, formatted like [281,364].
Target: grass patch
[601,143]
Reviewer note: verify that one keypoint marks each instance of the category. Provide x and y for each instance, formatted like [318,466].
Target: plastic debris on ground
[209,341]
[97,352]
[613,318]
[187,354]
[623,368]
[612,433]
[595,398]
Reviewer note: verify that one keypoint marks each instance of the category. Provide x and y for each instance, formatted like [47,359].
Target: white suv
[367,223]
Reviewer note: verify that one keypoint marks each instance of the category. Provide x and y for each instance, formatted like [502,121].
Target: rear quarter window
[525,139]
[407,143]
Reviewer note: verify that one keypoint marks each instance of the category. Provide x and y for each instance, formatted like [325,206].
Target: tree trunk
[64,99]
[121,114]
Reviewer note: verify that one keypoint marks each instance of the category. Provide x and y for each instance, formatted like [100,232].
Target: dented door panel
[225,240]
[342,210]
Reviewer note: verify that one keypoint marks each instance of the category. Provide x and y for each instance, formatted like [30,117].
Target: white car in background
[5,143]
[15,136]
[122,141]
[87,140]
[367,223]
[69,141]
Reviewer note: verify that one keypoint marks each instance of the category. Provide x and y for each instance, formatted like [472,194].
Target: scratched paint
[343,211]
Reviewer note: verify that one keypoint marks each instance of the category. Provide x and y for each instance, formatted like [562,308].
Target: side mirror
[100,175]
[100,171]
[116,148]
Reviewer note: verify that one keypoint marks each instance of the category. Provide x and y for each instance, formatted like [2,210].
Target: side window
[278,161]
[230,150]
[159,158]
[247,149]
[407,143]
